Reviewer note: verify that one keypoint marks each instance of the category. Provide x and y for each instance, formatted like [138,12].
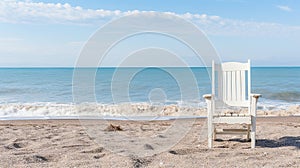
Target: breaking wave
[42,109]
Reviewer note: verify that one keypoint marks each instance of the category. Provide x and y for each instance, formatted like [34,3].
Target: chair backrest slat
[224,86]
[234,86]
[220,80]
[243,86]
[229,85]
[238,86]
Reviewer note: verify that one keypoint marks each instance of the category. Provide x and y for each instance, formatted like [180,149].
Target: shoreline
[45,111]
[112,118]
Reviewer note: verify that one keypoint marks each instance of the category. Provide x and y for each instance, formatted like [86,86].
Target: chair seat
[232,119]
[231,115]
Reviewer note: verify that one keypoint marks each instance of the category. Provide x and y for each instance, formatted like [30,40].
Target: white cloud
[284,8]
[13,11]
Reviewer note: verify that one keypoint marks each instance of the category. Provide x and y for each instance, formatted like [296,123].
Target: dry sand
[65,143]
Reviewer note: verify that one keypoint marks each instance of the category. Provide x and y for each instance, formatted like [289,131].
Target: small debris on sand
[36,159]
[112,127]
[97,150]
[147,146]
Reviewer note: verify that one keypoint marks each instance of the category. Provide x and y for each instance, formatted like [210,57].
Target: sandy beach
[67,143]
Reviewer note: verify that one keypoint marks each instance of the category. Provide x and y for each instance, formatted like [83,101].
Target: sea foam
[124,109]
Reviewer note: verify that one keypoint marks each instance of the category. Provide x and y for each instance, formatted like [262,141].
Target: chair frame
[237,93]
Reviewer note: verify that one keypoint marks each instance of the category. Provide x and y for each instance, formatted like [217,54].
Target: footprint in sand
[97,150]
[36,159]
[186,151]
[15,145]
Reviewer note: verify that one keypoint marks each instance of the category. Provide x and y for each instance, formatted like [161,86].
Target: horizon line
[69,67]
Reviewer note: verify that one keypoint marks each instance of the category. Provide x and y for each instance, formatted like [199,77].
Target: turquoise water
[280,86]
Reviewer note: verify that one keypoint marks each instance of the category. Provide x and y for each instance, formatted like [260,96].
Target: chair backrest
[231,83]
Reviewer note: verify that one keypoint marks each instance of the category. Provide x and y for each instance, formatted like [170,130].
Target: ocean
[32,92]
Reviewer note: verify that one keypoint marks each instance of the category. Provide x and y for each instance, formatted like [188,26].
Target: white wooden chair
[231,88]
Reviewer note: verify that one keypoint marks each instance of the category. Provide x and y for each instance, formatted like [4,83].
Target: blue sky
[52,32]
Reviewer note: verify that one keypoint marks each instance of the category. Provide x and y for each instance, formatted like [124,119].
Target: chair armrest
[256,96]
[207,96]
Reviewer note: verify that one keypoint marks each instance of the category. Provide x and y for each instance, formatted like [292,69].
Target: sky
[52,33]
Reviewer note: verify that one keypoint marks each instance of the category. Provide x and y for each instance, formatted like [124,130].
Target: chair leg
[248,133]
[215,134]
[253,130]
[210,135]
